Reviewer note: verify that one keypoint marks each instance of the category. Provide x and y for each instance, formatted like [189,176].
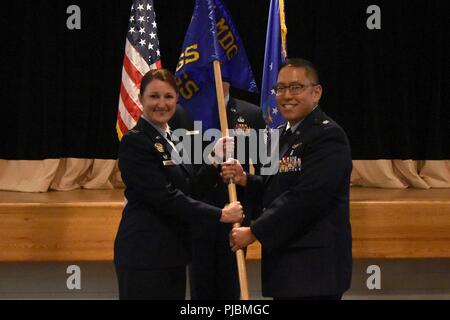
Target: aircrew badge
[241,125]
[159,147]
[295,146]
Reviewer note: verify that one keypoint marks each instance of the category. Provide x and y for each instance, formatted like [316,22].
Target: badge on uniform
[290,164]
[241,125]
[168,163]
[295,146]
[160,148]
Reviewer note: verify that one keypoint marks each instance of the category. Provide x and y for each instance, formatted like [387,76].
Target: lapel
[303,127]
[160,143]
[289,141]
[298,134]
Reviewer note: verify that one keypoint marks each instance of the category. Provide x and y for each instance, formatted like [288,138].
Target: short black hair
[159,74]
[311,70]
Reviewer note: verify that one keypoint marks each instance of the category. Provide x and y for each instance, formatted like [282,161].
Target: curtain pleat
[71,173]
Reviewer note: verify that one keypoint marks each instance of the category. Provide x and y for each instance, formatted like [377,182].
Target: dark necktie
[169,137]
[285,137]
[284,141]
[287,132]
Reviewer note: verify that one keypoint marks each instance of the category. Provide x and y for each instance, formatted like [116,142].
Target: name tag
[169,163]
[191,133]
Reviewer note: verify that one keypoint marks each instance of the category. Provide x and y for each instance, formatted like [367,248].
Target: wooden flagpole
[242,269]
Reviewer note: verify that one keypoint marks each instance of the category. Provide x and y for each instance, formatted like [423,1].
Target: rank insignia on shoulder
[159,147]
[326,122]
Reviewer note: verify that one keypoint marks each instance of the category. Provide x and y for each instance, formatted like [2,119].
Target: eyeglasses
[294,89]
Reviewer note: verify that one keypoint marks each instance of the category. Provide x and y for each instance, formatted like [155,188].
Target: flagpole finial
[283,30]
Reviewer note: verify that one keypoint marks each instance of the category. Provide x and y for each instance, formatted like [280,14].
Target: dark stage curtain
[388,88]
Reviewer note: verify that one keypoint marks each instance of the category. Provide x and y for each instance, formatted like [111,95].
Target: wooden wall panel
[81,225]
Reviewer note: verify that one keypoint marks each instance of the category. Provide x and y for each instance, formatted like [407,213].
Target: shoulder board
[323,122]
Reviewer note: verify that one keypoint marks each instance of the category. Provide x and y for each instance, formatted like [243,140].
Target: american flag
[141,55]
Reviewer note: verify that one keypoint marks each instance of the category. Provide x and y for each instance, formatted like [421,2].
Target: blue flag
[275,54]
[211,36]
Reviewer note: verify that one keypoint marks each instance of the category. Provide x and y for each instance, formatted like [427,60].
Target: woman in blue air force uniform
[152,246]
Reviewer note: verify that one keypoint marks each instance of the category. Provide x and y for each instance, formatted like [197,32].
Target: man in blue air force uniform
[304,226]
